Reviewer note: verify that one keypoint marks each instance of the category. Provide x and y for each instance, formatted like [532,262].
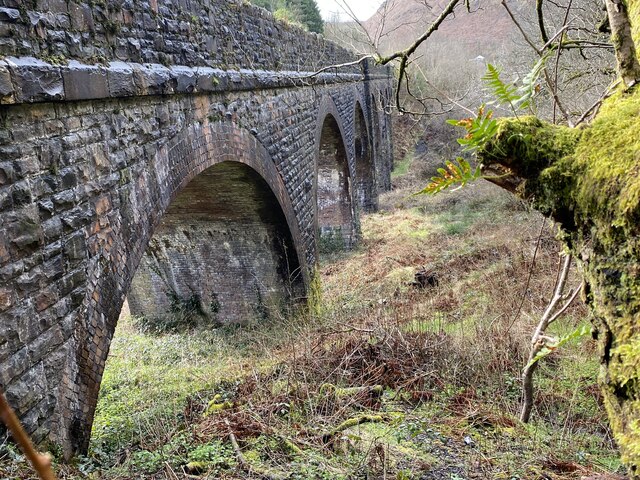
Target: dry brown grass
[456,348]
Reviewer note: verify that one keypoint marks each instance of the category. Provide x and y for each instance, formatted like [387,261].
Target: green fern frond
[459,173]
[528,88]
[504,94]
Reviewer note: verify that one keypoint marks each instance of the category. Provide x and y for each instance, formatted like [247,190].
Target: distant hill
[484,30]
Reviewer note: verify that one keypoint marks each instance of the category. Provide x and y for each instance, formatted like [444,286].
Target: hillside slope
[484,29]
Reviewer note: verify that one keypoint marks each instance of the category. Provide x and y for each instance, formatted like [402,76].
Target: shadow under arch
[335,218]
[365,169]
[221,254]
[216,150]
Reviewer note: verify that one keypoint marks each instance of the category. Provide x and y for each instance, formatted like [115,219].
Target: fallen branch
[329,388]
[352,422]
[247,466]
[41,463]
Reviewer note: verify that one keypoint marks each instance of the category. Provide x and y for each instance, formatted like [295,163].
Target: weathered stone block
[15,365]
[75,247]
[35,80]
[6,85]
[121,80]
[10,15]
[45,343]
[186,79]
[26,233]
[6,299]
[29,390]
[83,82]
[7,174]
[54,6]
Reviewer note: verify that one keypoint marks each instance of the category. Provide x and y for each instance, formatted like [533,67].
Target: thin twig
[338,66]
[548,80]
[245,464]
[564,308]
[405,54]
[608,92]
[543,30]
[555,36]
[526,287]
[557,65]
[519,27]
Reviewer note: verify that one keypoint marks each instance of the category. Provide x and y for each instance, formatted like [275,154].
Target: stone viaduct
[181,153]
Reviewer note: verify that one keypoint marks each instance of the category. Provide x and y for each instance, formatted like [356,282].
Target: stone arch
[222,253]
[364,161]
[335,214]
[197,153]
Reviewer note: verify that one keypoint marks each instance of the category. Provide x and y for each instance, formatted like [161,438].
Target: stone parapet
[30,80]
[227,34]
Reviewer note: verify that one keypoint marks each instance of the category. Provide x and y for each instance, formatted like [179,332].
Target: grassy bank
[393,379]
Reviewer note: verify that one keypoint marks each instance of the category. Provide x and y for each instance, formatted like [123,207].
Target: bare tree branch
[404,55]
[538,341]
[543,30]
[558,53]
[598,102]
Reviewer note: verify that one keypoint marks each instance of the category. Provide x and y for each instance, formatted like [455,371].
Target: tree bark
[622,40]
[588,180]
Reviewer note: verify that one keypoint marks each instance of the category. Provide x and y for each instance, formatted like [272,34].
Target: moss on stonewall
[607,159]
[528,145]
[607,199]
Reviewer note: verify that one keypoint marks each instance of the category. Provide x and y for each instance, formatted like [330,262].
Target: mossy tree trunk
[588,180]
[622,39]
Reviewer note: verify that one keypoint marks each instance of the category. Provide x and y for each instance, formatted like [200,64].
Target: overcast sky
[362,8]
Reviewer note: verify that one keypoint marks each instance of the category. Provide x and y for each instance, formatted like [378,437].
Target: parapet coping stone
[31,80]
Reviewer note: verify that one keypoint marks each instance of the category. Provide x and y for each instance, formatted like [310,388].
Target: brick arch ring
[328,107]
[362,103]
[111,266]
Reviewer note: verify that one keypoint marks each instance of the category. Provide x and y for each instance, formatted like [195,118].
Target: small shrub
[213,454]
[147,462]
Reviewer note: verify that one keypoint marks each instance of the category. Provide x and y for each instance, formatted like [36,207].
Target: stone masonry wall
[227,34]
[83,185]
[92,156]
